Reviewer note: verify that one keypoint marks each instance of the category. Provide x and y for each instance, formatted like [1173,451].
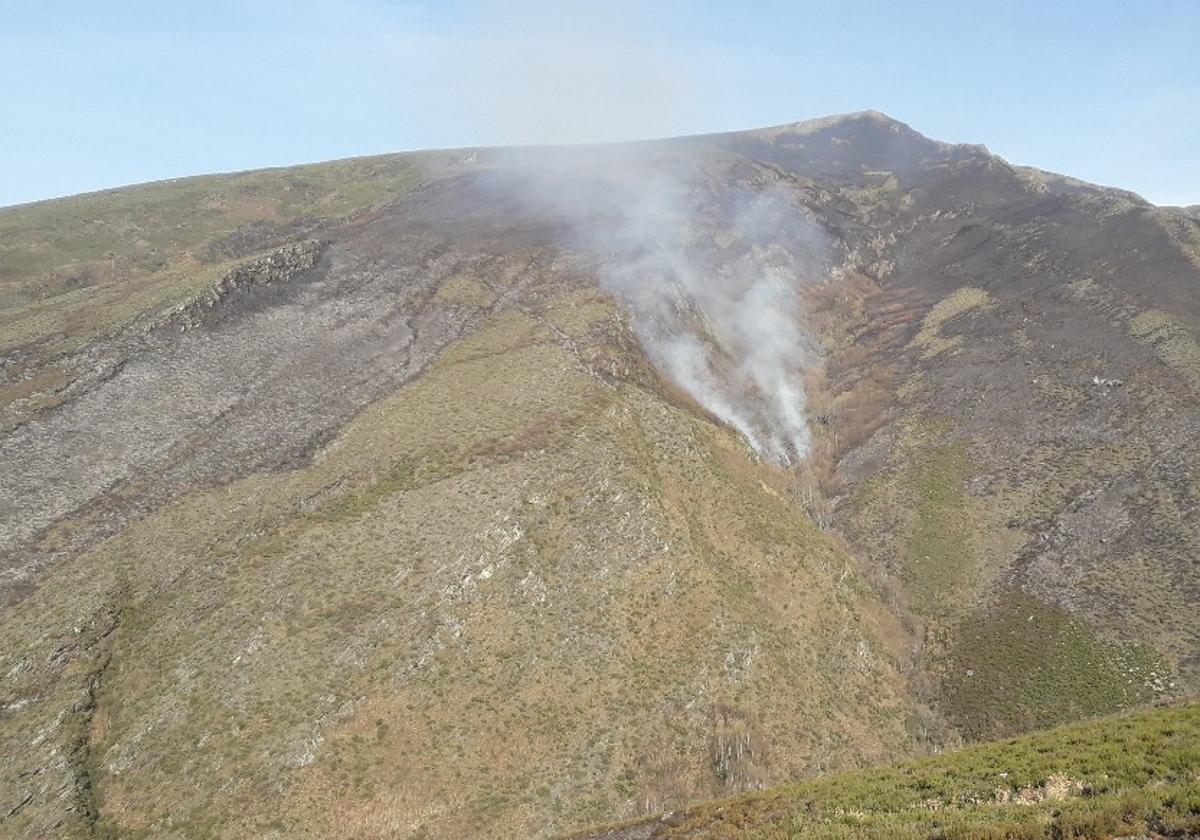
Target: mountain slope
[1132,775]
[1039,441]
[369,498]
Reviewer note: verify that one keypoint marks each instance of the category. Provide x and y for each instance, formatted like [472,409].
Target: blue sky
[99,93]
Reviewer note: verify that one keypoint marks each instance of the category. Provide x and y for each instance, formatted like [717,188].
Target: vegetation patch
[1184,232]
[929,339]
[1173,343]
[464,290]
[1132,775]
[938,548]
[1022,665]
[918,519]
[73,268]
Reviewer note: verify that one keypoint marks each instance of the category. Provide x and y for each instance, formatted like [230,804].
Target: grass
[73,269]
[938,548]
[929,339]
[1173,342]
[143,224]
[918,519]
[464,290]
[1021,665]
[1128,775]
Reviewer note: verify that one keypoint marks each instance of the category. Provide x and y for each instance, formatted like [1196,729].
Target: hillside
[495,493]
[1132,775]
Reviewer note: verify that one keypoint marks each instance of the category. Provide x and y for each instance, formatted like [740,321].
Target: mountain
[494,493]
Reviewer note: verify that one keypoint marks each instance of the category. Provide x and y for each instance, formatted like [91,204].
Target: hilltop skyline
[107,97]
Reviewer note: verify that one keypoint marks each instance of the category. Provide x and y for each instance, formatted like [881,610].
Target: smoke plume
[711,270]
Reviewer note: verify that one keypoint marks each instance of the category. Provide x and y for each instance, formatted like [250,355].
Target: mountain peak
[869,119]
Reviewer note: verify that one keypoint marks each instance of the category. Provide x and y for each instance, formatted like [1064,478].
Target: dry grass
[512,580]
[929,339]
[1174,344]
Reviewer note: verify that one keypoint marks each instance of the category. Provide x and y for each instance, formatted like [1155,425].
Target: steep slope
[1030,494]
[451,617]
[370,498]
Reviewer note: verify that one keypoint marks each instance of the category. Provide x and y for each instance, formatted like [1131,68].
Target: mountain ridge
[803,126]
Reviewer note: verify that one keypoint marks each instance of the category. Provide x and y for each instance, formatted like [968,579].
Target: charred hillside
[501,492]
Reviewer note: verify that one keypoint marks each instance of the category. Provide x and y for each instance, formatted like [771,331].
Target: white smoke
[711,271]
